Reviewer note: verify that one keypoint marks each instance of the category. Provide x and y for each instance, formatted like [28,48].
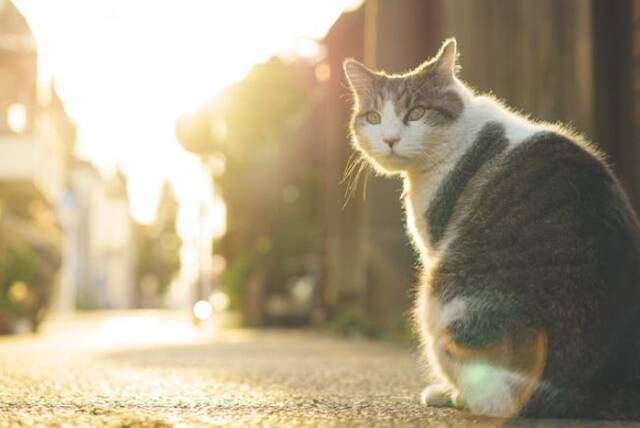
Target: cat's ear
[444,64]
[447,57]
[361,79]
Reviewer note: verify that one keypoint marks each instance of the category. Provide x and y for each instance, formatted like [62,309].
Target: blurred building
[99,255]
[59,207]
[35,132]
[35,138]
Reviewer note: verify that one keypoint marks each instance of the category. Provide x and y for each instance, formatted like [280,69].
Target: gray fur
[490,142]
[424,88]
[550,244]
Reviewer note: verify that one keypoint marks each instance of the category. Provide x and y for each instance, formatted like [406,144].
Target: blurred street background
[192,159]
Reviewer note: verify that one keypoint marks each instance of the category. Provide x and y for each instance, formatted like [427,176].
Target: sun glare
[126,71]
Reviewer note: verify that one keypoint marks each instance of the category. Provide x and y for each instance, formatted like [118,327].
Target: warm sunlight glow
[202,310]
[323,72]
[17,117]
[219,301]
[127,70]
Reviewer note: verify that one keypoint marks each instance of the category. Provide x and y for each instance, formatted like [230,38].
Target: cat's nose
[391,140]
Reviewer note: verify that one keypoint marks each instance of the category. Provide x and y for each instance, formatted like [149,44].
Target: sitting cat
[530,302]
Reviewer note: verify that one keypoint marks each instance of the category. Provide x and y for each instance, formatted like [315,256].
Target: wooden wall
[614,98]
[634,94]
[573,61]
[407,33]
[635,99]
[369,261]
[536,55]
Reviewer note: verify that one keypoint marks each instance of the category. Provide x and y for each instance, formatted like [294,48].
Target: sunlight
[17,117]
[202,310]
[126,71]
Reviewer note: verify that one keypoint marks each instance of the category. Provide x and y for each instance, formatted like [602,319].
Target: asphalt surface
[154,369]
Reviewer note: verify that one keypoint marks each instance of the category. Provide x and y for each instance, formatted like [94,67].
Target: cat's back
[547,201]
[544,228]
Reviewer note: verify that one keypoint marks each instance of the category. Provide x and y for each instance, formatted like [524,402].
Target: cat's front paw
[440,395]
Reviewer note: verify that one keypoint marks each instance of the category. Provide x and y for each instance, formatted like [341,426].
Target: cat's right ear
[360,78]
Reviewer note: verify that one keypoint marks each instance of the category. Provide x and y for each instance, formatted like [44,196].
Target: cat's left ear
[444,64]
[447,57]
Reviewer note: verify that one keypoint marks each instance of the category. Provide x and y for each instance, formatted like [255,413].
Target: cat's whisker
[366,181]
[347,96]
[353,181]
[352,187]
[352,162]
[349,177]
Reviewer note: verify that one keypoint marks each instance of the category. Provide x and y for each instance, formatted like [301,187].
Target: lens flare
[202,310]
[219,301]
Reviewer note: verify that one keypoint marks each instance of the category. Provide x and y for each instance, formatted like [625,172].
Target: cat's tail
[604,403]
[619,404]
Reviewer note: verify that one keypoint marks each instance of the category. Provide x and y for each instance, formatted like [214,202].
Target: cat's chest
[417,203]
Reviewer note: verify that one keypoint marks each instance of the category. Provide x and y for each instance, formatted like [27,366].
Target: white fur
[483,109]
[494,395]
[421,185]
[409,147]
[438,395]
[485,388]
[391,125]
[452,311]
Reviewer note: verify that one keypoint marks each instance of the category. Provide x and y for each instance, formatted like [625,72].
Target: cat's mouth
[393,155]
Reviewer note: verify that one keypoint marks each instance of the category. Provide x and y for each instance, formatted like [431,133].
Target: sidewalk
[153,369]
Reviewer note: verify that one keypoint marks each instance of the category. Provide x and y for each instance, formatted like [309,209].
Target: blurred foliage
[157,251]
[272,219]
[353,320]
[250,115]
[18,264]
[28,268]
[235,276]
[274,186]
[157,254]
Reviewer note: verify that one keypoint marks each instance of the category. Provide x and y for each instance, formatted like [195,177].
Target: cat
[530,299]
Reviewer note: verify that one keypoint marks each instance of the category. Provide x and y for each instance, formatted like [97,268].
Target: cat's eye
[416,113]
[373,117]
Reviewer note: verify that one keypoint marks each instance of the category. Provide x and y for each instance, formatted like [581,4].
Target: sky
[127,69]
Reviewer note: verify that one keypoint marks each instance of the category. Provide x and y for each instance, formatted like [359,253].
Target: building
[64,205]
[36,135]
[36,139]
[99,256]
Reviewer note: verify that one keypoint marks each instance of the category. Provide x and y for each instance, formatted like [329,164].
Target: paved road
[153,369]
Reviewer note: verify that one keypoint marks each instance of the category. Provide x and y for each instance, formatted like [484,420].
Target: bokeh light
[202,310]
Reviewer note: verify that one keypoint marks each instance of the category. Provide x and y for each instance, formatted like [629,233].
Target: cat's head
[402,121]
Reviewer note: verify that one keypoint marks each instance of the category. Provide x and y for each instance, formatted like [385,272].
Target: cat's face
[399,120]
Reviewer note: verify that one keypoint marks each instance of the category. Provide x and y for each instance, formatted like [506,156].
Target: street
[154,369]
